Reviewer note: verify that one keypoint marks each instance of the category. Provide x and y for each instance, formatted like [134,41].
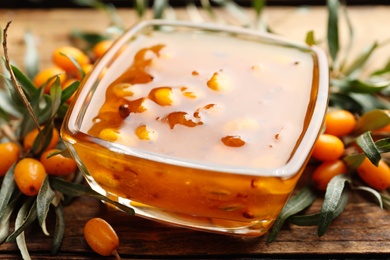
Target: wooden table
[363,230]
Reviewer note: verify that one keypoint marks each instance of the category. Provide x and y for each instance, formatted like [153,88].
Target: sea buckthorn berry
[383,130]
[29,139]
[58,164]
[29,175]
[101,237]
[10,153]
[328,148]
[62,61]
[43,76]
[162,96]
[339,122]
[100,48]
[109,134]
[218,82]
[145,133]
[326,171]
[376,177]
[233,141]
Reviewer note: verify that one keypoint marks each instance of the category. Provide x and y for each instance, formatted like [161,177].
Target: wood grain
[363,230]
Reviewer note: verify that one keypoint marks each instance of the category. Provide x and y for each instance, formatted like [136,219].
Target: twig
[15,82]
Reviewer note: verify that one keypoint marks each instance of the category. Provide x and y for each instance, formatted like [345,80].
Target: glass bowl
[203,126]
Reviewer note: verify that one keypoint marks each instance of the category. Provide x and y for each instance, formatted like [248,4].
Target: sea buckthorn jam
[201,113]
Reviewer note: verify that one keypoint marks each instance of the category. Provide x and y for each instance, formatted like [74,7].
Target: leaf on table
[27,214]
[299,202]
[333,196]
[5,218]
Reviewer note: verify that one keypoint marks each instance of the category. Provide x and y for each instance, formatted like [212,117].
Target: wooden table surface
[363,230]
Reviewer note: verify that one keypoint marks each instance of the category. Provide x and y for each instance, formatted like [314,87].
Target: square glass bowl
[203,126]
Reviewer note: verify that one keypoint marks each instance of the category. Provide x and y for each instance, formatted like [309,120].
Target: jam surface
[201,98]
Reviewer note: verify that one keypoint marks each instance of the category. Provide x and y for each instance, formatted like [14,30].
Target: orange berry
[29,175]
[326,171]
[58,164]
[383,130]
[101,237]
[43,76]
[65,63]
[101,48]
[29,139]
[328,148]
[339,122]
[9,155]
[377,178]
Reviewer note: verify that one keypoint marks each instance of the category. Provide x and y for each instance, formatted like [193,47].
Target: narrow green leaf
[159,8]
[7,189]
[75,63]
[313,219]
[383,145]
[369,102]
[44,199]
[384,70]
[358,64]
[331,200]
[27,214]
[23,213]
[55,95]
[348,85]
[5,218]
[373,192]
[141,6]
[77,190]
[351,38]
[59,230]
[69,91]
[31,58]
[367,144]
[305,220]
[385,200]
[43,138]
[26,84]
[333,28]
[299,202]
[372,120]
[354,160]
[345,101]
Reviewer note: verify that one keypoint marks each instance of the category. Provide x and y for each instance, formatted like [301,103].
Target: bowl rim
[72,121]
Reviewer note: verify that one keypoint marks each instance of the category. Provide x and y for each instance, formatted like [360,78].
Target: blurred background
[130,3]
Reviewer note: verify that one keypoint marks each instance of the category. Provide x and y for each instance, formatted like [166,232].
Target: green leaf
[55,95]
[383,145]
[90,38]
[372,120]
[367,144]
[159,8]
[351,36]
[333,29]
[384,70]
[69,91]
[141,6]
[31,58]
[5,218]
[26,84]
[354,160]
[299,202]
[59,230]
[20,239]
[348,85]
[26,216]
[373,192]
[44,199]
[75,63]
[313,219]
[369,102]
[7,189]
[331,200]
[358,64]
[78,190]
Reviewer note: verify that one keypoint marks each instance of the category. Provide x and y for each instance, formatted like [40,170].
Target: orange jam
[215,103]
